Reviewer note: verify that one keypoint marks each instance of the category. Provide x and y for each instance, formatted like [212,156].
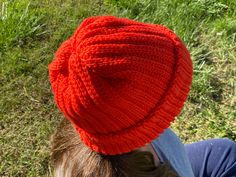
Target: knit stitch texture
[120,82]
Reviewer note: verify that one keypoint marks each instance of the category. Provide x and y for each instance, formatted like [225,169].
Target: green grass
[31,31]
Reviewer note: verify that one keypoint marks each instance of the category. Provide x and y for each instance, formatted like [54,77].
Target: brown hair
[71,158]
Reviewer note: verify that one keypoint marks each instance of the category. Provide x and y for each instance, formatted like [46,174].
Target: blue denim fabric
[213,158]
[169,148]
[209,158]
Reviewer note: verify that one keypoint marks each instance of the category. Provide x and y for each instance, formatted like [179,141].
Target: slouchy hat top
[120,82]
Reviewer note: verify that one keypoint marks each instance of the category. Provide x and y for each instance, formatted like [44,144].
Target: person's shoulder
[168,136]
[170,148]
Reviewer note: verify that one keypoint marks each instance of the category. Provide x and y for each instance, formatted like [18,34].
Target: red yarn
[120,82]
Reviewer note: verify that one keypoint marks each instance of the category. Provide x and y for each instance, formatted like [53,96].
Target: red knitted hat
[120,82]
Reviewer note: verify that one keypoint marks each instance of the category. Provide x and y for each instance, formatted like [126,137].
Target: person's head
[71,158]
[120,83]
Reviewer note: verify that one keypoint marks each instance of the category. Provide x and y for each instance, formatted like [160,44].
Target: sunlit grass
[31,31]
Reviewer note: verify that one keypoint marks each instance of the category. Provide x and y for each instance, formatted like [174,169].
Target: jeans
[213,158]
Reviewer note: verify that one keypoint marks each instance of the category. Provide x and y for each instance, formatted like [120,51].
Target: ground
[32,30]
